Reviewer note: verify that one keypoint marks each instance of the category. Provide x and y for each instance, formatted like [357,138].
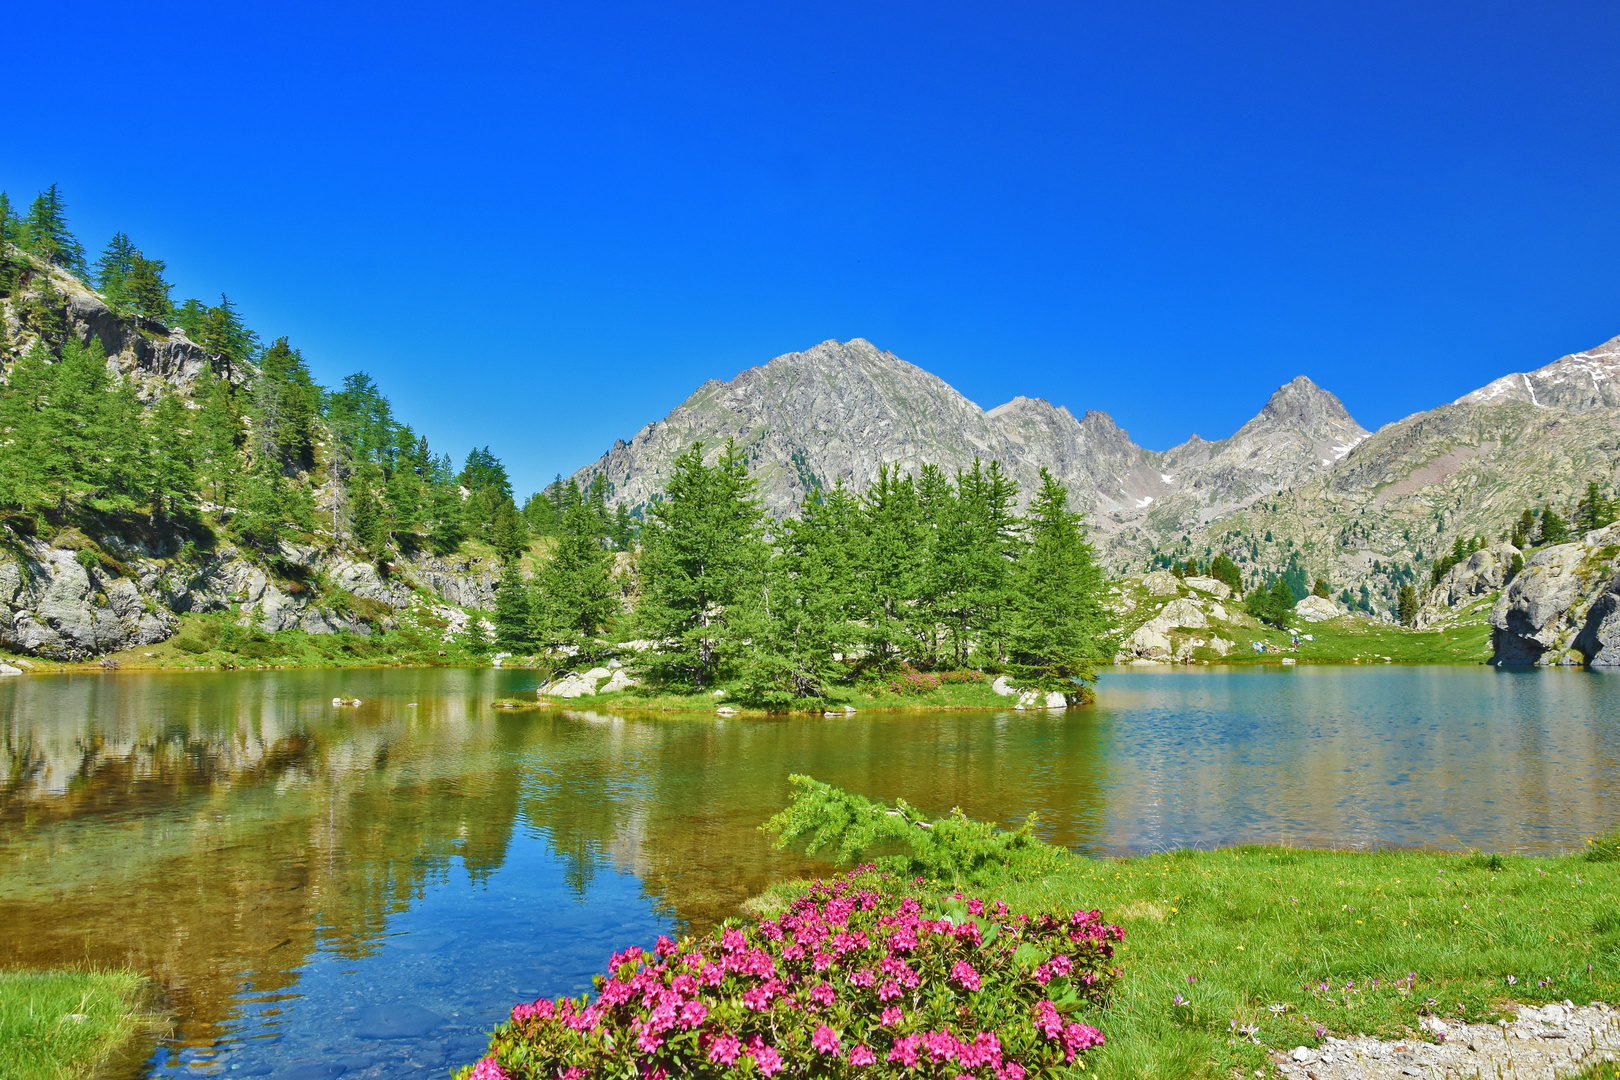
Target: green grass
[58,1025]
[1270,948]
[1260,930]
[1351,640]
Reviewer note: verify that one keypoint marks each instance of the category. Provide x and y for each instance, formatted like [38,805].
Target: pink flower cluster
[850,976]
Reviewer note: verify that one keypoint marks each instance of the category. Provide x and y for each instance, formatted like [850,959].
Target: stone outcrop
[1315,609]
[1482,573]
[1563,608]
[58,603]
[1219,589]
[598,680]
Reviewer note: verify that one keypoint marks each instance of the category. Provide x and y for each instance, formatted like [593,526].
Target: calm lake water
[365,891]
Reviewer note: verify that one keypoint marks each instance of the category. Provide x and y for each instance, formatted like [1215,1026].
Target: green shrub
[849,828]
[1480,861]
[851,977]
[190,645]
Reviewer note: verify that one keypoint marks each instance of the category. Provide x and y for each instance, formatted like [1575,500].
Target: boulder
[1317,609]
[1564,606]
[1162,583]
[7,669]
[1219,589]
[1186,613]
[1002,687]
[1150,640]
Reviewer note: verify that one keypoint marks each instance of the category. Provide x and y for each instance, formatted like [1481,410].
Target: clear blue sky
[541,226]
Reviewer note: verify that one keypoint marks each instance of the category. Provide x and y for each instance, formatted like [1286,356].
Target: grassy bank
[972,691]
[1230,955]
[60,1025]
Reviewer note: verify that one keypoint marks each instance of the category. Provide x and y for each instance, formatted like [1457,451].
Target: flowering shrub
[851,980]
[912,681]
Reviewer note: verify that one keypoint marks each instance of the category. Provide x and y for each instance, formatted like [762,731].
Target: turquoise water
[365,891]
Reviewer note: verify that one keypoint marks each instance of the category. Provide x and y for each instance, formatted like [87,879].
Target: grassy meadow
[61,1025]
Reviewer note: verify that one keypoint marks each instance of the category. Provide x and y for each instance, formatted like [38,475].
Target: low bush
[852,980]
[190,645]
[910,681]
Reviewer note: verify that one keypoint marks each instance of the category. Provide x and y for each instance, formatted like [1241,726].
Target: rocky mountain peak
[1578,383]
[1300,403]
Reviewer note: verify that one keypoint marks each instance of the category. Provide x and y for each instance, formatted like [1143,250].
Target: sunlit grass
[59,1025]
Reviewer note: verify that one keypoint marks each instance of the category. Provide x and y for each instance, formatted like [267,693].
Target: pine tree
[171,470]
[1524,529]
[10,226]
[1060,626]
[1222,568]
[1408,605]
[46,234]
[1321,588]
[578,600]
[484,470]
[145,290]
[805,619]
[508,536]
[28,462]
[1594,511]
[369,524]
[112,269]
[892,554]
[624,528]
[1553,529]
[702,565]
[514,619]
[285,400]
[218,428]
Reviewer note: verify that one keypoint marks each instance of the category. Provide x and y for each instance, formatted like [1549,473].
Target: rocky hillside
[839,411]
[1563,608]
[1403,496]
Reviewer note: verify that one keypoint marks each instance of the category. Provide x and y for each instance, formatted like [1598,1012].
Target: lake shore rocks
[71,600]
[1543,1043]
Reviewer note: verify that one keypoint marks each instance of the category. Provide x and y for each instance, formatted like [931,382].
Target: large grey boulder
[52,606]
[1561,608]
[1315,609]
[1217,588]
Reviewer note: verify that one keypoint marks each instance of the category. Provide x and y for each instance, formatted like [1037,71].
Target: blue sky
[541,226]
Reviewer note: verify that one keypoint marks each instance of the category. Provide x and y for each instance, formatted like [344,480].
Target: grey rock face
[1575,383]
[1482,573]
[839,411]
[1564,606]
[52,606]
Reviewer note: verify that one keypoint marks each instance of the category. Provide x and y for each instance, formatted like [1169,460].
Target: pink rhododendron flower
[975,907]
[649,1040]
[892,1016]
[1010,1071]
[904,1051]
[725,1049]
[488,1069]
[1060,965]
[712,975]
[862,1055]
[941,1045]
[767,1059]
[1078,1037]
[863,978]
[825,1041]
[889,990]
[823,994]
[963,972]
[665,947]
[822,961]
[1047,1020]
[732,940]
[693,1013]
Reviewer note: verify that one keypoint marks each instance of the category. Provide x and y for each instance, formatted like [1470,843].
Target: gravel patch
[1544,1043]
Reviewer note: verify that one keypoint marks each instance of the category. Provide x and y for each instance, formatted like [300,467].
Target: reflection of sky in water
[365,892]
[443,974]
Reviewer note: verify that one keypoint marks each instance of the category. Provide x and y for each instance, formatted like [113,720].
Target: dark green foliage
[507,533]
[1460,551]
[1481,861]
[847,828]
[1297,579]
[1321,588]
[285,404]
[113,268]
[484,470]
[144,289]
[1594,511]
[10,226]
[578,599]
[1407,606]
[1059,626]
[703,566]
[514,614]
[1273,604]
[1223,569]
[46,234]
[1553,528]
[1524,529]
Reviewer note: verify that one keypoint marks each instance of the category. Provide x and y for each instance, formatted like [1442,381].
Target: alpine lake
[366,890]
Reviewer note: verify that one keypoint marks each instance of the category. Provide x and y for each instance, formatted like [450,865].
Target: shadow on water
[367,889]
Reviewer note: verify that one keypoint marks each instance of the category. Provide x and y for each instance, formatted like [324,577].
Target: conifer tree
[702,565]
[577,597]
[45,233]
[1553,529]
[10,227]
[144,289]
[171,458]
[892,554]
[514,618]
[1222,568]
[1060,626]
[218,428]
[1408,605]
[1321,589]
[112,269]
[508,536]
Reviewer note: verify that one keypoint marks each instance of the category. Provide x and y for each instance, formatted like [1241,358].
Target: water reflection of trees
[216,834]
